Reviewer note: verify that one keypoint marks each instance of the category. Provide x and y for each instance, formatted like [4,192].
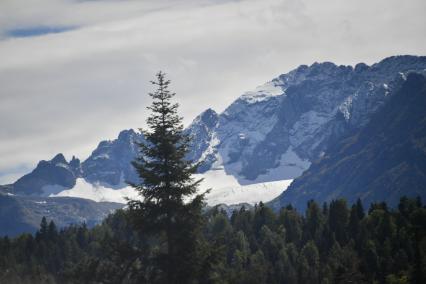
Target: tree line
[332,243]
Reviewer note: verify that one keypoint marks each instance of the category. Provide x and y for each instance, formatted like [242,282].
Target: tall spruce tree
[170,209]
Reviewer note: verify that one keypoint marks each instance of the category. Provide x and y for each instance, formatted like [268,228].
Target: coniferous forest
[169,236]
[332,243]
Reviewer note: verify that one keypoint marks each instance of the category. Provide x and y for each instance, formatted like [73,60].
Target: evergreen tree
[168,211]
[354,222]
[314,221]
[359,209]
[338,219]
[309,263]
[52,232]
[43,231]
[292,223]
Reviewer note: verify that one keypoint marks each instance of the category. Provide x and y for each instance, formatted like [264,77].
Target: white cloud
[64,92]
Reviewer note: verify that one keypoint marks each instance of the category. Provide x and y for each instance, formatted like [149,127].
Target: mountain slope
[22,214]
[383,161]
[265,138]
[277,130]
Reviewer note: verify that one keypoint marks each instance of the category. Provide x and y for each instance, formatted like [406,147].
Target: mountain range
[312,124]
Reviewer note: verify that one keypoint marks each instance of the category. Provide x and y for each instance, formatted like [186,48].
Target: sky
[75,72]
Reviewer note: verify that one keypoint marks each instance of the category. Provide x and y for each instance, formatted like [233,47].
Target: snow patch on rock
[263,92]
[290,165]
[226,189]
[97,192]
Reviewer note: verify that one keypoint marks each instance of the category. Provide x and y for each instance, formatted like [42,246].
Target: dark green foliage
[165,213]
[250,247]
[338,220]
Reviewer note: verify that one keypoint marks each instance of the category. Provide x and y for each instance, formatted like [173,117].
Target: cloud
[64,92]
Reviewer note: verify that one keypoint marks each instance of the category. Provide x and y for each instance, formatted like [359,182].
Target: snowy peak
[381,161]
[288,122]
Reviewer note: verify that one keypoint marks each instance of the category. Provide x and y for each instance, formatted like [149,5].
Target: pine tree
[310,263]
[170,209]
[314,221]
[43,231]
[52,232]
[360,209]
[338,219]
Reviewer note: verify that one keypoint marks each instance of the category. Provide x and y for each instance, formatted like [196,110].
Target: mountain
[277,130]
[382,161]
[48,175]
[253,150]
[201,131]
[22,214]
[109,163]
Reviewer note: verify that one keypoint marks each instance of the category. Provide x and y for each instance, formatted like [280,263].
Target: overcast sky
[74,72]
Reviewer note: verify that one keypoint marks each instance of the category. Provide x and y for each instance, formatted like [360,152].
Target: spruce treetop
[170,209]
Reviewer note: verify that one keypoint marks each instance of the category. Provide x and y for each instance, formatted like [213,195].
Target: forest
[331,243]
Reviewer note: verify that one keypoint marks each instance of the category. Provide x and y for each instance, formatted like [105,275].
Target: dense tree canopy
[249,246]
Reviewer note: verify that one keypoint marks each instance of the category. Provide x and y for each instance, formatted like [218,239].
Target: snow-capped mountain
[252,150]
[276,131]
[382,161]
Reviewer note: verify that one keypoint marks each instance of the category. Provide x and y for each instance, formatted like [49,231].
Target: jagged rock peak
[126,134]
[57,172]
[208,117]
[110,162]
[75,165]
[74,160]
[59,159]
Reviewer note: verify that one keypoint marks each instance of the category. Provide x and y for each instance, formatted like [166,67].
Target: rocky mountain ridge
[270,134]
[382,161]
